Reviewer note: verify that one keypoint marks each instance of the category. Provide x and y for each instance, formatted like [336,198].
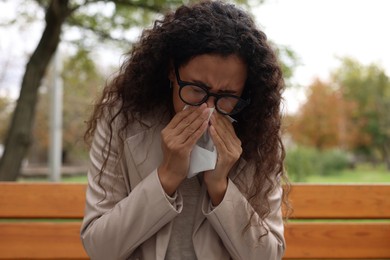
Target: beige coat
[132,218]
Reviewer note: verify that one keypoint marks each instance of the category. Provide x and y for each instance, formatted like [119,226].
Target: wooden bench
[42,221]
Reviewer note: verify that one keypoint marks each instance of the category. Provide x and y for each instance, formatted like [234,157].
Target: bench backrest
[339,221]
[42,221]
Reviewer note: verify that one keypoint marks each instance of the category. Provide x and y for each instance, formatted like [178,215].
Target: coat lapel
[143,153]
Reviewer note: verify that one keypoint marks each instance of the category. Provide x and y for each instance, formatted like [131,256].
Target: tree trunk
[19,134]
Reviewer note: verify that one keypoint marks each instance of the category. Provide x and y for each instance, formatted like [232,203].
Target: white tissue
[204,154]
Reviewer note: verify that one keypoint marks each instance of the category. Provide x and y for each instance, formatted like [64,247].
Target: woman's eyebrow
[227,91]
[223,91]
[201,83]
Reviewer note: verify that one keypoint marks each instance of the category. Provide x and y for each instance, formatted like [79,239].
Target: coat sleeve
[117,220]
[231,216]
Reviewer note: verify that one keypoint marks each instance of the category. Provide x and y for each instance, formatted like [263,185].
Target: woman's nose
[210,102]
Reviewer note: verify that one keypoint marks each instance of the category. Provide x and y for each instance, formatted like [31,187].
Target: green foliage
[289,61]
[369,87]
[333,161]
[302,162]
[81,82]
[112,20]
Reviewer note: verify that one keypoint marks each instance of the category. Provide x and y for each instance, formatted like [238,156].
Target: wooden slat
[41,200]
[337,240]
[48,200]
[340,201]
[305,241]
[41,241]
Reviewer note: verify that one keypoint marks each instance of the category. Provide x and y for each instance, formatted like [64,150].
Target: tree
[324,121]
[5,112]
[93,22]
[19,133]
[369,87]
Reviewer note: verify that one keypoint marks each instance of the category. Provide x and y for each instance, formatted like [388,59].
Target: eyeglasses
[195,94]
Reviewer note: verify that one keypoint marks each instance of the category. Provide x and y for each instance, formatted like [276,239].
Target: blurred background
[56,56]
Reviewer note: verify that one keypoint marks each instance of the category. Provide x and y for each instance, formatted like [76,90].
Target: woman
[190,76]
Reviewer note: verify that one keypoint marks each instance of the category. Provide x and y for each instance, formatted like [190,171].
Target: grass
[77,179]
[364,173]
[361,174]
[70,179]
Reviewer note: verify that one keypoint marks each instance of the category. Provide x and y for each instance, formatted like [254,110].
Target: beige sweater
[180,244]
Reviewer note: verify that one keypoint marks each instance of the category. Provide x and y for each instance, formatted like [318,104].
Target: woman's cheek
[178,104]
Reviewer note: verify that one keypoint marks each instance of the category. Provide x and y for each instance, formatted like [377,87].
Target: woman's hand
[229,151]
[178,139]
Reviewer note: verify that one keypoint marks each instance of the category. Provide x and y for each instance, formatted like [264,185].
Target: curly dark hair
[209,27]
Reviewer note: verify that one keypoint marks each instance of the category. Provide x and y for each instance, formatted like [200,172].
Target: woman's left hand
[229,151]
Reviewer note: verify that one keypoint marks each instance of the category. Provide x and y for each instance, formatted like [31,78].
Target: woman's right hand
[178,139]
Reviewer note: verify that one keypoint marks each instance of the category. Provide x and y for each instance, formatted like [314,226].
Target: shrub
[333,161]
[304,161]
[300,162]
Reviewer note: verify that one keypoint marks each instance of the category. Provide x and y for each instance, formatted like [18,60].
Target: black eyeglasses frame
[242,102]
